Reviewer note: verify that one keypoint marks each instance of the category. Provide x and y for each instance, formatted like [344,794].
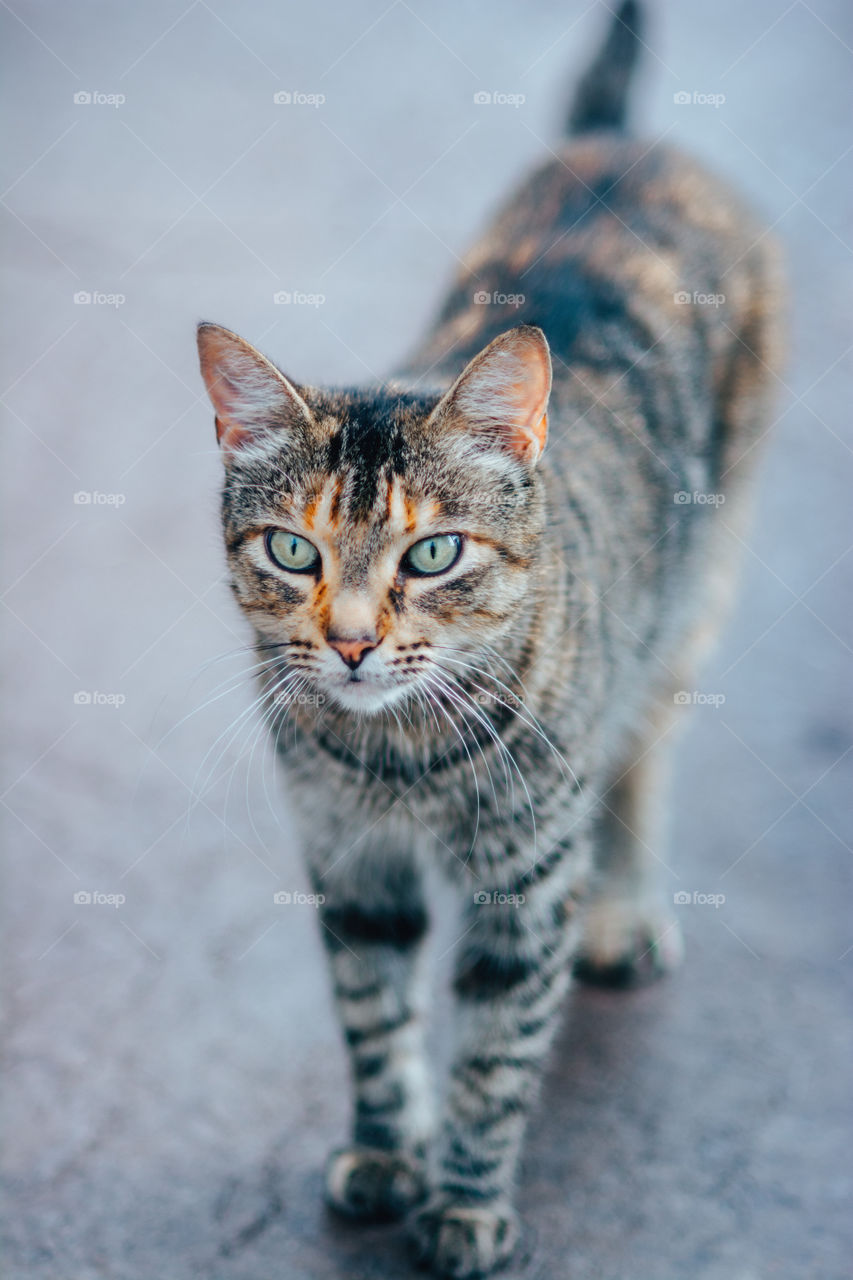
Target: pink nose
[352,651]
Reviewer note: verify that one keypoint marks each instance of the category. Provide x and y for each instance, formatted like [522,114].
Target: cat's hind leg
[630,935]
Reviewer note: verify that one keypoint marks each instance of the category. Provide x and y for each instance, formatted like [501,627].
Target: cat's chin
[363,698]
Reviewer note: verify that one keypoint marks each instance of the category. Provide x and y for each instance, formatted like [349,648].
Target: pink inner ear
[227,366]
[230,435]
[528,396]
[249,395]
[233,418]
[531,397]
[505,391]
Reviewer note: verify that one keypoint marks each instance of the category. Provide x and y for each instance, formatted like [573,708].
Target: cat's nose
[352,651]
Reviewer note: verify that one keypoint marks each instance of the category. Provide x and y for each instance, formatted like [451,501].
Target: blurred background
[173,1073]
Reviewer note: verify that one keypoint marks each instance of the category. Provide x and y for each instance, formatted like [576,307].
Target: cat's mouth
[364,693]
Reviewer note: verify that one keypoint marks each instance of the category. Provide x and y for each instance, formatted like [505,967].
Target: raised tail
[601,98]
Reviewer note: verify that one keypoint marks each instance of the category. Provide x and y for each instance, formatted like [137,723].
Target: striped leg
[372,933]
[511,977]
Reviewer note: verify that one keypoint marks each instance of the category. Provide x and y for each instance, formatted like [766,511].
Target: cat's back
[611,236]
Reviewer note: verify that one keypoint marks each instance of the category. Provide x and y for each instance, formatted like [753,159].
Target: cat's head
[384,538]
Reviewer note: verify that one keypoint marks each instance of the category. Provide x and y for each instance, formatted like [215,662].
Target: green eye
[433,555]
[291,552]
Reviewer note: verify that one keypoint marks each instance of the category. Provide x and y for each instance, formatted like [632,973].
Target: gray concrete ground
[173,1075]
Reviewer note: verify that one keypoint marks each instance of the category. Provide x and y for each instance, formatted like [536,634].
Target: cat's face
[384,540]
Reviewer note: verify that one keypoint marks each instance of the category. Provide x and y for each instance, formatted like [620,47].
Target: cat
[470,642]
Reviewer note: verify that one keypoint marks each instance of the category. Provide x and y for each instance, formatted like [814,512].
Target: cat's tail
[601,99]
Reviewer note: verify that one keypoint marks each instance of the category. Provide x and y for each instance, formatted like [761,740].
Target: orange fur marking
[309,511]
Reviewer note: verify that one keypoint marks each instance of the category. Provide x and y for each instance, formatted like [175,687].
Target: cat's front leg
[373,922]
[511,975]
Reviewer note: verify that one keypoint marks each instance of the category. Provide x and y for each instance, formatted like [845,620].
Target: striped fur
[504,724]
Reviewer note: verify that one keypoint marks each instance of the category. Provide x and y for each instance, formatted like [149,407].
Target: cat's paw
[463,1241]
[374,1185]
[626,946]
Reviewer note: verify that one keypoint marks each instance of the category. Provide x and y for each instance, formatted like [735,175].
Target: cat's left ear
[502,395]
[250,397]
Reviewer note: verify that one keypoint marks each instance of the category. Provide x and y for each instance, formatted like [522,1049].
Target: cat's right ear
[250,397]
[501,396]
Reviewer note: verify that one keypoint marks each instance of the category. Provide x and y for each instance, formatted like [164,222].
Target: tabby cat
[469,642]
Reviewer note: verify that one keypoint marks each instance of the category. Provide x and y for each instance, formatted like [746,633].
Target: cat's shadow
[595,1098]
